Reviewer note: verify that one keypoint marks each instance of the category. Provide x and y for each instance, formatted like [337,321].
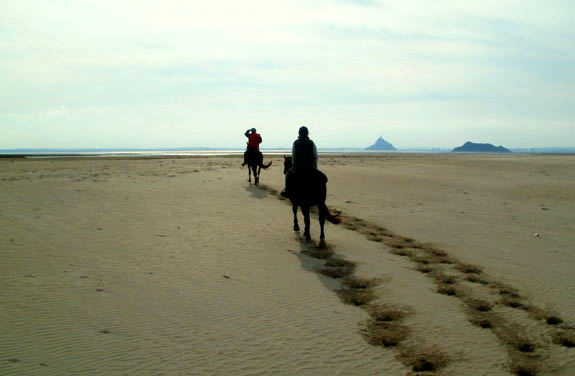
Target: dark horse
[255,161]
[308,189]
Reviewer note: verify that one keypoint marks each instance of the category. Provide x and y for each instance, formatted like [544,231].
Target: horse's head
[287,163]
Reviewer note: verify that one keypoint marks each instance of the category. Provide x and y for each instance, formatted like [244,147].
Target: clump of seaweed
[482,323]
[481,319]
[447,290]
[387,313]
[553,320]
[511,302]
[360,283]
[422,260]
[425,269]
[438,256]
[469,268]
[516,337]
[402,252]
[356,297]
[375,238]
[379,333]
[523,367]
[429,359]
[474,278]
[437,252]
[479,305]
[508,292]
[550,317]
[397,245]
[444,279]
[564,338]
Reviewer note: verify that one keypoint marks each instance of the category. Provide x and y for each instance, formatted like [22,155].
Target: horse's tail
[265,166]
[335,219]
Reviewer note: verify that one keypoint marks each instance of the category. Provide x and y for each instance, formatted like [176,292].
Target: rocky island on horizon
[381,144]
[476,147]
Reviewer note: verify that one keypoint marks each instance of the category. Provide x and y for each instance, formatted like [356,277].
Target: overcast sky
[171,73]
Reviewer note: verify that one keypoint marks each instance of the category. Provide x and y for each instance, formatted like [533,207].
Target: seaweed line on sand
[429,260]
[385,325]
[389,332]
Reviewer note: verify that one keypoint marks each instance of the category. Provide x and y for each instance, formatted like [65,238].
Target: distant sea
[168,152]
[183,152]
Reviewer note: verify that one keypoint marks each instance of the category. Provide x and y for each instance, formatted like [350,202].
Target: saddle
[254,155]
[297,179]
[311,175]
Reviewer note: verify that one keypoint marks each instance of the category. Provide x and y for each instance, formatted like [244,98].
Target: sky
[186,73]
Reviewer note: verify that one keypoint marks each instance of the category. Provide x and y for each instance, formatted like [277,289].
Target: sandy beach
[443,264]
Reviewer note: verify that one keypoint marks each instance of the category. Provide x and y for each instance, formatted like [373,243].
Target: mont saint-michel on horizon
[381,144]
[471,147]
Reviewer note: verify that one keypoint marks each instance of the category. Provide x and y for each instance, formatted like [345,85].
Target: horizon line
[203,148]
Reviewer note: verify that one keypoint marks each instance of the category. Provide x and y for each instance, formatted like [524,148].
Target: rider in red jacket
[254,141]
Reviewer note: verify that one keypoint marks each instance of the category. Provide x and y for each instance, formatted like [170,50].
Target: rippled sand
[179,266]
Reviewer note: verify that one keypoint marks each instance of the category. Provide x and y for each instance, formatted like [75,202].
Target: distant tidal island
[381,144]
[487,148]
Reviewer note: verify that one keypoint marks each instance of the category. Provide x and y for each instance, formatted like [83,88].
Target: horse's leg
[322,244]
[305,211]
[295,224]
[255,171]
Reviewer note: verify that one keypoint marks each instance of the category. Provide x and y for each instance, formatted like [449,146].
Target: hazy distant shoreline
[220,152]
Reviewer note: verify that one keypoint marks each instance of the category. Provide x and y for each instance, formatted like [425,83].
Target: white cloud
[62,111]
[59,112]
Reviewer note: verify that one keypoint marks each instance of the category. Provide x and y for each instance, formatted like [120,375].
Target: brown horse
[255,161]
[308,189]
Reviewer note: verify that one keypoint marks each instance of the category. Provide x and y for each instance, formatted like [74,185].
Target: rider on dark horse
[254,141]
[304,158]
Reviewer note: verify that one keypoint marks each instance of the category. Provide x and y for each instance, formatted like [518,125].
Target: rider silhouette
[304,158]
[254,141]
[304,152]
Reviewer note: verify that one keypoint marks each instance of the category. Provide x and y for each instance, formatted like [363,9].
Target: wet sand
[457,263]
